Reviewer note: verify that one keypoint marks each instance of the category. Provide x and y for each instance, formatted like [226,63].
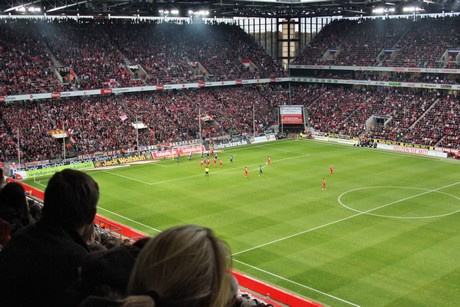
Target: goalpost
[185,151]
[174,151]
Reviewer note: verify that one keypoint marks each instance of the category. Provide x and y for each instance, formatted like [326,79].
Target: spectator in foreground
[2,179]
[105,273]
[5,233]
[13,206]
[42,260]
[184,266]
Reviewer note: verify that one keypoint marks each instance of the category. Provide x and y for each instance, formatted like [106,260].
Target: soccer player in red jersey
[269,160]
[323,184]
[215,161]
[331,170]
[201,162]
[246,171]
[220,163]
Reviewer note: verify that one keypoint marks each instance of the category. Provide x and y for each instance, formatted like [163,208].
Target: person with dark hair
[2,179]
[234,291]
[140,243]
[43,259]
[105,273]
[5,233]
[13,206]
[35,210]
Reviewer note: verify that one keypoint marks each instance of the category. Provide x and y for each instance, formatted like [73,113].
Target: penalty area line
[221,171]
[296,283]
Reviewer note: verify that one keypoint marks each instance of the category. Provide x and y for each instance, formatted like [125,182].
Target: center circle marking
[368,212]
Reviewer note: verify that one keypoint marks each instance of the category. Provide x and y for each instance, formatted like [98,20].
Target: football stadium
[316,144]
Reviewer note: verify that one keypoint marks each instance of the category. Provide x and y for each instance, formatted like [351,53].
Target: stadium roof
[227,8]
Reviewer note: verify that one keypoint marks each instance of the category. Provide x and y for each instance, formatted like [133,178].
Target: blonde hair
[184,266]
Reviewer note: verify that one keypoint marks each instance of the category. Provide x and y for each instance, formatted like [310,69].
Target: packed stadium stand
[391,42]
[41,56]
[100,124]
[47,56]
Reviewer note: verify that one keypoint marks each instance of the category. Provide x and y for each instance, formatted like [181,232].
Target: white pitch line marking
[128,219]
[296,283]
[126,177]
[399,217]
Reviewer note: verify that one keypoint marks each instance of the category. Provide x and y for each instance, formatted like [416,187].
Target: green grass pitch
[385,232]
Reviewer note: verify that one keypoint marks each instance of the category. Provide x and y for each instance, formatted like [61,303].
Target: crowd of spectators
[367,40]
[25,63]
[404,110]
[8,146]
[87,49]
[125,53]
[439,126]
[328,39]
[413,116]
[390,42]
[104,123]
[339,110]
[171,53]
[426,42]
[122,53]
